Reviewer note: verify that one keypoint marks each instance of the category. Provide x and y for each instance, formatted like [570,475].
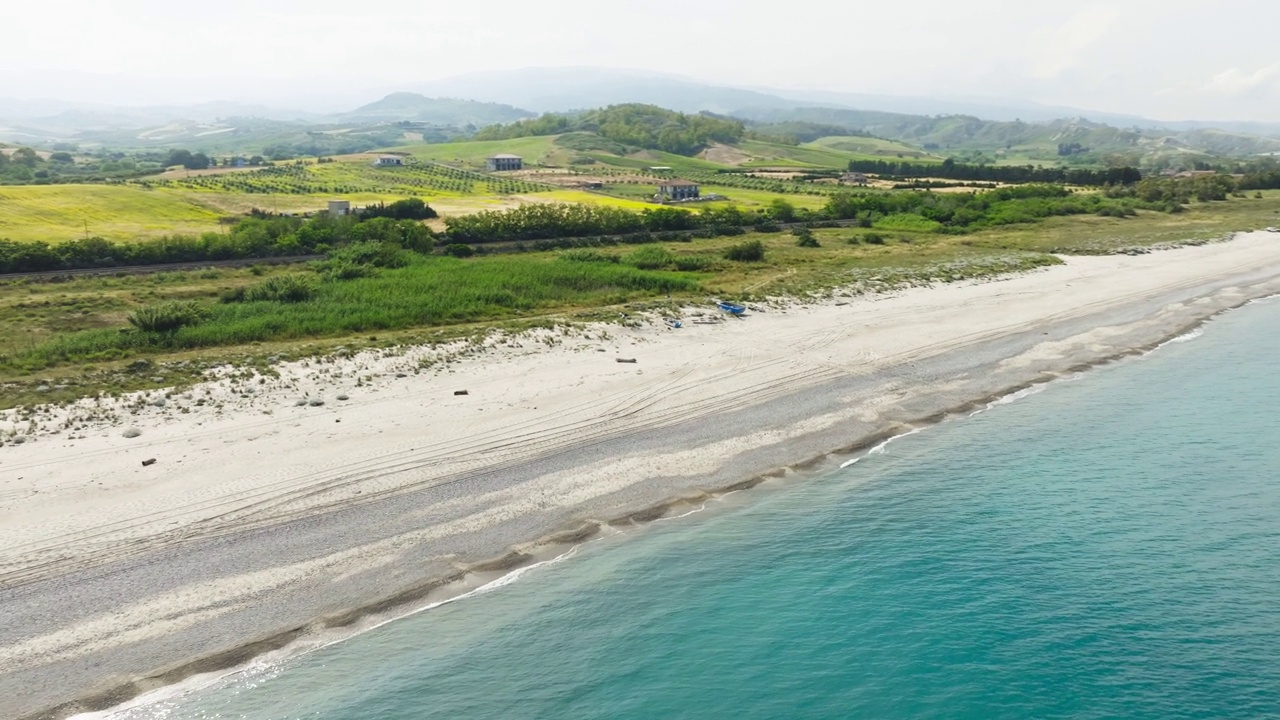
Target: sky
[1168,60]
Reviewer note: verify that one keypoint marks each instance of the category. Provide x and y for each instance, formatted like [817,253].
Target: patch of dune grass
[431,291]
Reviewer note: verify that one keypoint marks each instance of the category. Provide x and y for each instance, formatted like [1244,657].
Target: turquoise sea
[1108,547]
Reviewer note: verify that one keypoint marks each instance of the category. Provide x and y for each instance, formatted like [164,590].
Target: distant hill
[570,89]
[402,106]
[1072,140]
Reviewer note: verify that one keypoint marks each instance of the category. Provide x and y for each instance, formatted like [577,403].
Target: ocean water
[1107,547]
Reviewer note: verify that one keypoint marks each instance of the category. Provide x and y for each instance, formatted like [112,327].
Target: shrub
[805,238]
[751,251]
[693,263]
[653,257]
[767,226]
[873,239]
[374,254]
[283,288]
[167,317]
[585,255]
[459,250]
[853,240]
[348,271]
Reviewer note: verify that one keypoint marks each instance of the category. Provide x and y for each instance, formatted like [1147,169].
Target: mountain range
[451,108]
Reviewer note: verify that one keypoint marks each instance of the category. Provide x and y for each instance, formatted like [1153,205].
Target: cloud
[1054,50]
[1234,82]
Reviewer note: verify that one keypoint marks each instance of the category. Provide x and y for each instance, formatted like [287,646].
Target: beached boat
[731,308]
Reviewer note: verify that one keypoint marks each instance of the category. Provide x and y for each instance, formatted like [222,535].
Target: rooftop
[666,183]
[504,157]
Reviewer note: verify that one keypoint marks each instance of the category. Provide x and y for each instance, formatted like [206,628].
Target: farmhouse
[499,163]
[338,208]
[679,190]
[388,161]
[854,178]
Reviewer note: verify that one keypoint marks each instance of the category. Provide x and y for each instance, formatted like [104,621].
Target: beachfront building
[679,190]
[500,163]
[388,161]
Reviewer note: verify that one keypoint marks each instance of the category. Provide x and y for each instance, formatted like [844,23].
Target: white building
[388,161]
[499,163]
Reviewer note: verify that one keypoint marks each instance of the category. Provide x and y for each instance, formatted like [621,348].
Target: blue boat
[731,308]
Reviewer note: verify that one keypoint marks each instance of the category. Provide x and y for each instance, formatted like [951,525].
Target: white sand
[76,495]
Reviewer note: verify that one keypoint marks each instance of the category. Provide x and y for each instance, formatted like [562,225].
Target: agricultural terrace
[333,179]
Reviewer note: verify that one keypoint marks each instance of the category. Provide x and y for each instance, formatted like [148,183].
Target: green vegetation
[253,237]
[951,170]
[641,126]
[346,178]
[426,292]
[26,166]
[49,330]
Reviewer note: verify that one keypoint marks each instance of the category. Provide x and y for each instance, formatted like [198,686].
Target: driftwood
[151,461]
[461,392]
[626,360]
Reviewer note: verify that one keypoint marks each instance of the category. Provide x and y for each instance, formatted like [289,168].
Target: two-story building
[679,190]
[500,163]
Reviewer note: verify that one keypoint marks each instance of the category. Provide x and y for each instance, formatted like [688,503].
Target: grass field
[119,212]
[534,150]
[873,148]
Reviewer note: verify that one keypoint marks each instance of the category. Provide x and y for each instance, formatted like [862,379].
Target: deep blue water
[1106,548]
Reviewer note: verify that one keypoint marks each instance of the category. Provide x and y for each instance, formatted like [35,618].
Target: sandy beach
[282,506]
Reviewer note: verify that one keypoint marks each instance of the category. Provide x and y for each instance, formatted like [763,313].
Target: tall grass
[430,291]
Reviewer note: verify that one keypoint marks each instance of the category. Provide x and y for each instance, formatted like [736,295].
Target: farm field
[119,212]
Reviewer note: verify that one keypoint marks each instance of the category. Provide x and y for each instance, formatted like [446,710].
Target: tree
[782,211]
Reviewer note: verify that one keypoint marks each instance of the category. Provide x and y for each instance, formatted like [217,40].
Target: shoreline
[921,389]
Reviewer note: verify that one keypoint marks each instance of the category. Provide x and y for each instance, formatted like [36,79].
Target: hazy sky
[1169,59]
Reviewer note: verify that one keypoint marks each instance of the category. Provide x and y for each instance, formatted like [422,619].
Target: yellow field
[120,212]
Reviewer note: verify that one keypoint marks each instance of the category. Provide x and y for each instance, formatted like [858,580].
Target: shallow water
[1108,547]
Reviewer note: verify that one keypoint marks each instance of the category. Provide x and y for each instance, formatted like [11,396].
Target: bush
[873,239]
[653,257]
[752,251]
[374,254]
[805,238]
[459,250]
[167,317]
[584,255]
[693,263]
[853,240]
[767,226]
[283,288]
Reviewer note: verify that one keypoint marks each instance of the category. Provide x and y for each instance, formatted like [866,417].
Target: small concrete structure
[338,208]
[388,161]
[679,190]
[854,178]
[501,163]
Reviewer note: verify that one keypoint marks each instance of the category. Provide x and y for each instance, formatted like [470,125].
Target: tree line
[949,169]
[633,124]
